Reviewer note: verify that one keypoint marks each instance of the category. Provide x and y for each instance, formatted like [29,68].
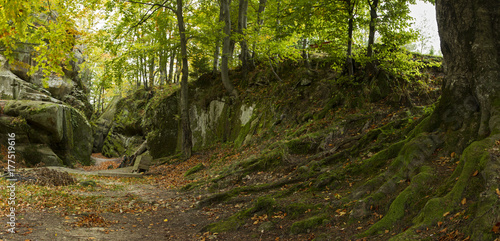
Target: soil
[147,211]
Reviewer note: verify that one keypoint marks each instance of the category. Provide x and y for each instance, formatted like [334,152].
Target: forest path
[118,208]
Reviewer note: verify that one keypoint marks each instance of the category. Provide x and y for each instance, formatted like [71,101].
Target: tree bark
[226,49]
[185,123]
[171,67]
[217,44]
[260,22]
[151,72]
[470,44]
[349,62]
[371,67]
[242,26]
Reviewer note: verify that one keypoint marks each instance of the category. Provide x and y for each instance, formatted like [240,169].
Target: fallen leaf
[446,214]
[464,201]
[165,220]
[475,173]
[498,192]
[496,228]
[440,223]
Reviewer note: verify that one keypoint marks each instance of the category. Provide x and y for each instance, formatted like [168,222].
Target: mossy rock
[194,169]
[88,183]
[302,146]
[307,225]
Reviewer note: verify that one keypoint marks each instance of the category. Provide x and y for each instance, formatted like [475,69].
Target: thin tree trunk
[226,49]
[185,123]
[371,67]
[242,26]
[260,22]
[171,67]
[349,61]
[217,44]
[151,72]
[305,55]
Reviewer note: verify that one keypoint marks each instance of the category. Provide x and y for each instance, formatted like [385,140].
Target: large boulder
[103,124]
[213,119]
[161,122]
[62,128]
[118,130]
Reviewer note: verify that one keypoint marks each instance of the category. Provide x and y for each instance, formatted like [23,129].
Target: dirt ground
[171,216]
[132,209]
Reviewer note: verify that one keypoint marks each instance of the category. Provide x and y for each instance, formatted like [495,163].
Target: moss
[302,146]
[304,225]
[406,200]
[194,169]
[90,183]
[242,134]
[297,209]
[378,160]
[230,224]
[235,221]
[265,203]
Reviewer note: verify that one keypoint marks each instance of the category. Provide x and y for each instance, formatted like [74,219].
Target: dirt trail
[150,212]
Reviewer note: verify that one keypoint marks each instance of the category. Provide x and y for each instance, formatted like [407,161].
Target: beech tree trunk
[260,22]
[349,62]
[151,72]
[242,26]
[226,49]
[217,44]
[371,67]
[185,123]
[470,43]
[171,67]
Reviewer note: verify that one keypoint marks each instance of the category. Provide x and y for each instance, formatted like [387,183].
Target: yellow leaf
[165,220]
[464,201]
[446,214]
[475,173]
[498,192]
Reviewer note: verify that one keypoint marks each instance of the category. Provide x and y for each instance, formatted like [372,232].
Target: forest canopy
[133,44]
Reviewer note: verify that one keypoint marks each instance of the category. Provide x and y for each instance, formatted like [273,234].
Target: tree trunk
[465,124]
[371,67]
[242,26]
[217,44]
[186,129]
[151,72]
[171,67]
[471,54]
[226,49]
[260,22]
[349,62]
[305,55]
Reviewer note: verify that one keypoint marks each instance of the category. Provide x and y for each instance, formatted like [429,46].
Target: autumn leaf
[496,228]
[464,201]
[475,173]
[446,214]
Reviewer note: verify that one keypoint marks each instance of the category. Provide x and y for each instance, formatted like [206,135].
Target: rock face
[51,133]
[212,120]
[118,130]
[72,88]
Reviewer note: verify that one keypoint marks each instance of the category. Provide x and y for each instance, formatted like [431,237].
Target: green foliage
[45,28]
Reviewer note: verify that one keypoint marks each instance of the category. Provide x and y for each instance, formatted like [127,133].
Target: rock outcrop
[51,133]
[118,130]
